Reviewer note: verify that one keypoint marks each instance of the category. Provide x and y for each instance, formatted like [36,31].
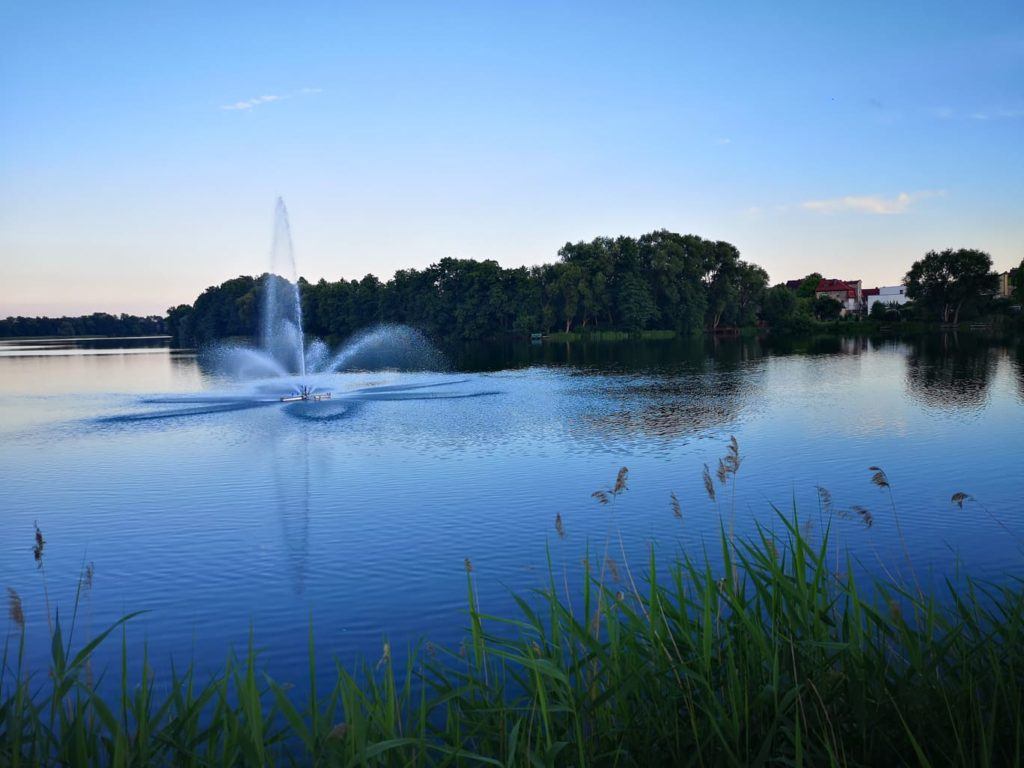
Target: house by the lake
[846,292]
[887,294]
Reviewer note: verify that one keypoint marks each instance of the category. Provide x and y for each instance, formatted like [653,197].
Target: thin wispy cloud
[723,141]
[249,104]
[997,113]
[873,204]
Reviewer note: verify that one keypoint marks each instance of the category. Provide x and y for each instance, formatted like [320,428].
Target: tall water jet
[281,332]
[282,350]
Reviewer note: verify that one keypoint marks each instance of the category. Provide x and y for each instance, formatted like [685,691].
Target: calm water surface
[360,515]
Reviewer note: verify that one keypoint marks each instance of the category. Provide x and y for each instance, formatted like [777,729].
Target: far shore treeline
[659,281]
[96,324]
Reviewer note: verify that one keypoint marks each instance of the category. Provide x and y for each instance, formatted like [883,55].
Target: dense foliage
[661,280]
[96,324]
[943,282]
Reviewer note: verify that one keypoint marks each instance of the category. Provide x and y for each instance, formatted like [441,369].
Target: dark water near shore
[221,521]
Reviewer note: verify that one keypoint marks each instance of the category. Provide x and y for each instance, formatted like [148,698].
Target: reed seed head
[722,472]
[559,526]
[620,481]
[864,515]
[879,478]
[40,544]
[468,565]
[677,510]
[385,656]
[14,608]
[601,496]
[732,458]
[338,732]
[709,486]
[960,497]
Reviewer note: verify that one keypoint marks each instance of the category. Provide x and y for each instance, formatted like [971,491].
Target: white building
[889,294]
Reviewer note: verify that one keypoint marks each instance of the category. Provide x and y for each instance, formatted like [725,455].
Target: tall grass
[782,662]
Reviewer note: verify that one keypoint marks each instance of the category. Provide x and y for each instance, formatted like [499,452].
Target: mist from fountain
[283,350]
[281,330]
[289,370]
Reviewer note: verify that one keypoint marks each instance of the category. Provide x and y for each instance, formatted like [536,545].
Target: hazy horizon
[143,147]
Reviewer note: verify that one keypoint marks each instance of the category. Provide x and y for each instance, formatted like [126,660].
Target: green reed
[769,658]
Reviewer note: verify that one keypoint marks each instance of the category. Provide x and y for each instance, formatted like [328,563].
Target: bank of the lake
[776,655]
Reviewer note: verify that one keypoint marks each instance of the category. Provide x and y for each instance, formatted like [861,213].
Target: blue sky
[142,144]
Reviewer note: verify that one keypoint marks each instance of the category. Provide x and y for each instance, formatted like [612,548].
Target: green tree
[1017,280]
[779,305]
[827,308]
[636,305]
[751,282]
[809,286]
[721,266]
[944,281]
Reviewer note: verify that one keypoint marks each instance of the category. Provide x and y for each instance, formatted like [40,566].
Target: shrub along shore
[770,658]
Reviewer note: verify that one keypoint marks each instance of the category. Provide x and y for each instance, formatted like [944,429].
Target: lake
[359,516]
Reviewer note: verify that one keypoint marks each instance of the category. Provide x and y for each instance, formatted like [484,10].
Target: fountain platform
[305,394]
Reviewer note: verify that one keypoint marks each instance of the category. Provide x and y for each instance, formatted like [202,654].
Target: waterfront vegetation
[96,324]
[775,654]
[659,282]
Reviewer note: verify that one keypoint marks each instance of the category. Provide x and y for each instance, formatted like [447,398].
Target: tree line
[96,324]
[661,280]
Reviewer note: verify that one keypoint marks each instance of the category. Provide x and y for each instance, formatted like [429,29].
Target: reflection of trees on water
[780,346]
[705,385]
[950,370]
[1017,362]
[647,355]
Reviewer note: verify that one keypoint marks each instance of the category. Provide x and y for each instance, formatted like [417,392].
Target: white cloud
[267,99]
[250,103]
[723,141]
[875,204]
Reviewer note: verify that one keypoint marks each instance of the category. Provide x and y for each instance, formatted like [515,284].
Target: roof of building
[794,284]
[829,285]
[870,291]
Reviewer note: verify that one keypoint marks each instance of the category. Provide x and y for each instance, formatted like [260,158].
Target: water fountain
[284,352]
[286,366]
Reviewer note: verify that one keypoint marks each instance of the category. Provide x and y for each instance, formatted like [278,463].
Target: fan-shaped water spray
[283,350]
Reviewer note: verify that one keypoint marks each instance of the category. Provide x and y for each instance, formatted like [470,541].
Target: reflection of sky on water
[360,513]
